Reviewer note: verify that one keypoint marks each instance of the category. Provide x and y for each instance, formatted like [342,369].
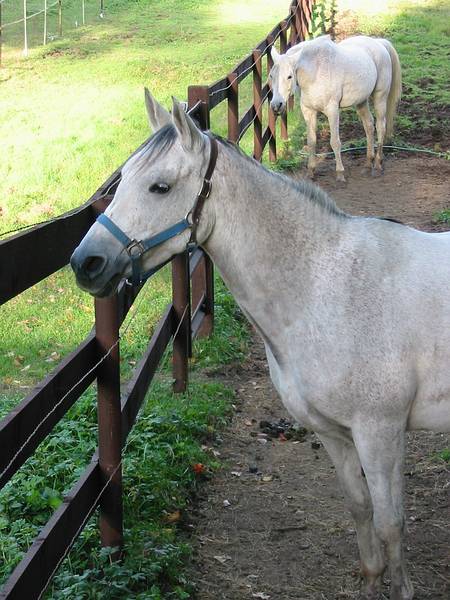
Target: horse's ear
[188,131]
[158,116]
[274,54]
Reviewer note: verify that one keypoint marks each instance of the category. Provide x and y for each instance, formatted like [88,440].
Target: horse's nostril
[93,266]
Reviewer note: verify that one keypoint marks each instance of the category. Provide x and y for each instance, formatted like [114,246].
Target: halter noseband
[137,248]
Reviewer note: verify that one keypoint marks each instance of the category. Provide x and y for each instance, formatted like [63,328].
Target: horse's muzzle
[95,273]
[278,107]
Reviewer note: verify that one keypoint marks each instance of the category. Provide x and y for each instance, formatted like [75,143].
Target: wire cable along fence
[35,22]
[190,314]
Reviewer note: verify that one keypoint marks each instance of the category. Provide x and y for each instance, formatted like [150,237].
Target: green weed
[443,216]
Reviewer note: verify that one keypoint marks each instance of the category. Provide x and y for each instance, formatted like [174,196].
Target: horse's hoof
[377,171]
[340,177]
[311,174]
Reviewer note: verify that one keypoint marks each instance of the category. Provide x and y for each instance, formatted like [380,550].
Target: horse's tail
[395,91]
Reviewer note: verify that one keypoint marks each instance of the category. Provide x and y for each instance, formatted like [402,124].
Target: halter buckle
[206,189]
[135,248]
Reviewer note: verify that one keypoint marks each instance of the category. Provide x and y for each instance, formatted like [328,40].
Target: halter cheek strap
[137,248]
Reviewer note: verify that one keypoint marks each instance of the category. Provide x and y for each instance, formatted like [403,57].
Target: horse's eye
[159,188]
[289,76]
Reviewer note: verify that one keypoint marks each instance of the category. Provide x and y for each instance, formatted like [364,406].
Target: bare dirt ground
[272,523]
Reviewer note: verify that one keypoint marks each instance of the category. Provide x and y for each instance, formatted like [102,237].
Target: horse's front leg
[310,116]
[381,450]
[365,115]
[348,470]
[332,112]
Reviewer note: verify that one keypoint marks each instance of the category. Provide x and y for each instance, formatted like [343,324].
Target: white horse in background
[333,76]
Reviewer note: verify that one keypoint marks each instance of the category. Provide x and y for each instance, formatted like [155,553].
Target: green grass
[443,216]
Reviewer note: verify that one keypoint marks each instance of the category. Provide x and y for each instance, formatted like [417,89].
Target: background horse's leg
[381,449]
[310,116]
[348,470]
[380,107]
[332,112]
[365,115]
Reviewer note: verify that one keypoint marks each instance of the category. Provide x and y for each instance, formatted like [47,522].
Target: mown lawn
[70,114]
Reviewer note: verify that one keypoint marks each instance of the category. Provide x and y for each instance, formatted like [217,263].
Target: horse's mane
[304,187]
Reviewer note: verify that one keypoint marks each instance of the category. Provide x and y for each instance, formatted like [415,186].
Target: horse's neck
[267,239]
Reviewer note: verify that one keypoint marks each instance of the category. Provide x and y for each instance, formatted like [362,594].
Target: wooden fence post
[283,48]
[60,29]
[304,25]
[233,107]
[257,103]
[181,299]
[109,422]
[45,22]
[293,35]
[298,22]
[203,283]
[25,29]
[272,117]
[83,13]
[1,35]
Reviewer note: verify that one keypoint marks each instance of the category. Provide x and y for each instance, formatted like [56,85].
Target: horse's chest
[298,402]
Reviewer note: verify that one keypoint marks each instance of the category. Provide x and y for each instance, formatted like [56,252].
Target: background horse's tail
[396,88]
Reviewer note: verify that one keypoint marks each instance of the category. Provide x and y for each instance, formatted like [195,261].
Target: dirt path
[272,523]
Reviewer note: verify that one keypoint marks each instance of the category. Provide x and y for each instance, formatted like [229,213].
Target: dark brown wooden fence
[190,314]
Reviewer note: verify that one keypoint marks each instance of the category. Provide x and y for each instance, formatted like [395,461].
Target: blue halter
[137,248]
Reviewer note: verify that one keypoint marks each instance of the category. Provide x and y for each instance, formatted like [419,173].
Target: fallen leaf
[198,468]
[236,473]
[261,595]
[173,517]
[267,478]
[226,503]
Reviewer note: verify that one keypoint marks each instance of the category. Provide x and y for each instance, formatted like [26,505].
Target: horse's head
[282,80]
[157,192]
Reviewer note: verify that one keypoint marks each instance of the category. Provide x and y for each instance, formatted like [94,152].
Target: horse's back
[376,50]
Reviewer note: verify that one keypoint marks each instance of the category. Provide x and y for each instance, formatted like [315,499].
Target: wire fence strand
[74,386]
[28,17]
[110,478]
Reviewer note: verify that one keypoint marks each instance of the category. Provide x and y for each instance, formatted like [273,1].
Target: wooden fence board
[19,424]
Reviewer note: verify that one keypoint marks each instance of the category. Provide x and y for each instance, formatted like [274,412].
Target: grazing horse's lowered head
[282,79]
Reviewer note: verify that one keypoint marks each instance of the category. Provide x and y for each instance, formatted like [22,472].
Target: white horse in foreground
[333,76]
[354,312]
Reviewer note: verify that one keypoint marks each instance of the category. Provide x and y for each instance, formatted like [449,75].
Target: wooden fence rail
[27,258]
